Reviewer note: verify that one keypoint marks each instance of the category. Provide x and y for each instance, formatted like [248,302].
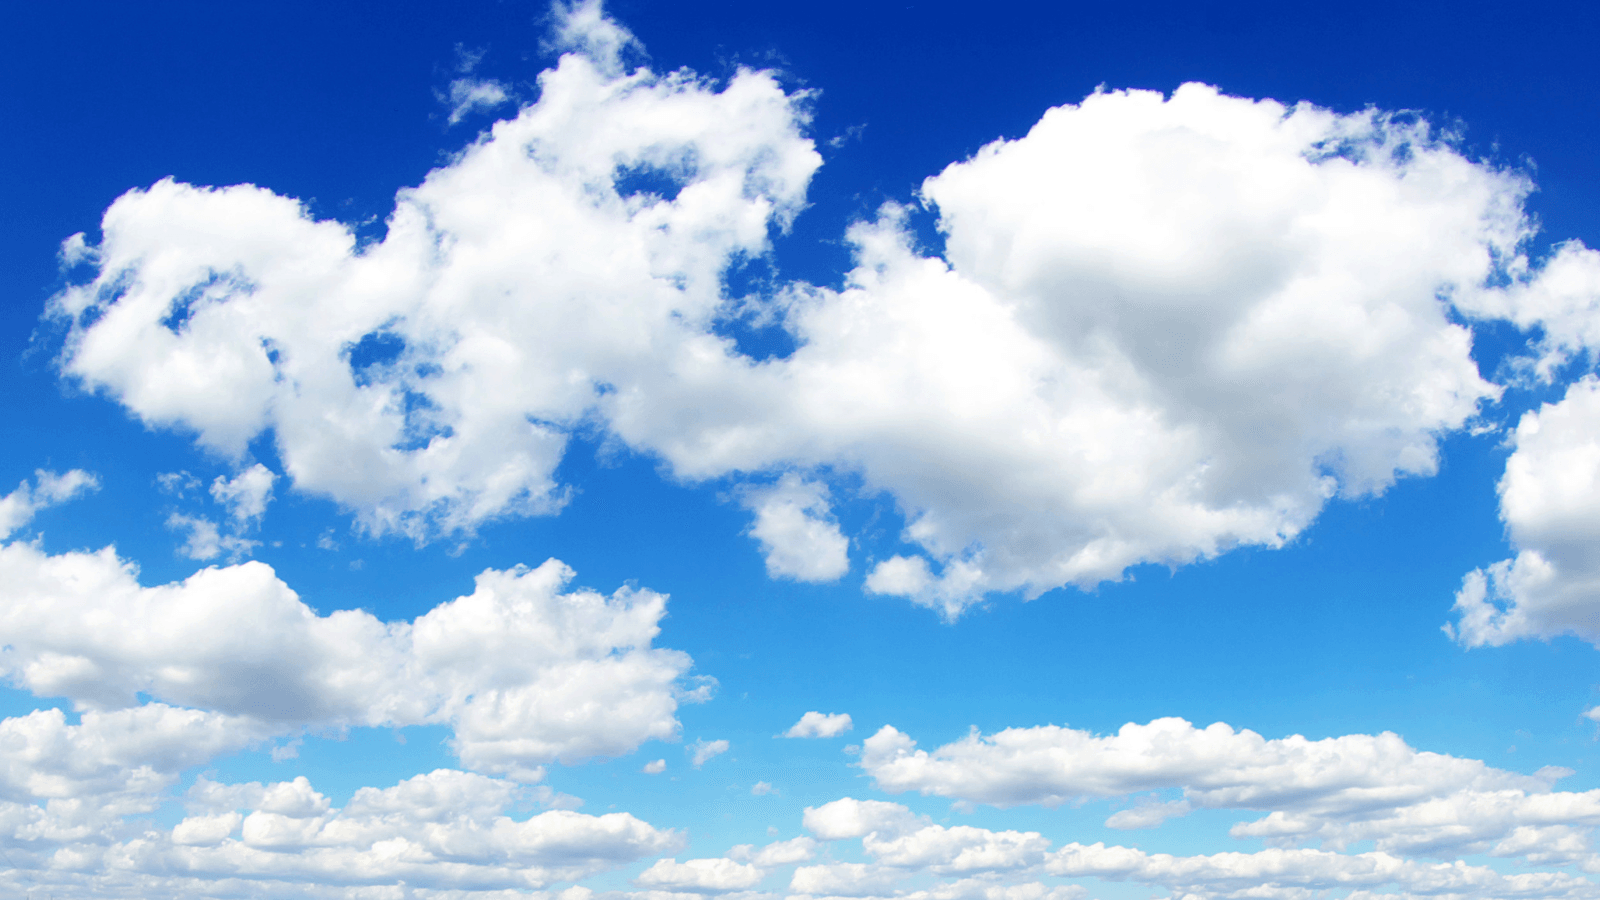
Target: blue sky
[889,451]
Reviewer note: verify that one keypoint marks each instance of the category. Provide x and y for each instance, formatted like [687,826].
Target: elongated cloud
[524,672]
[1336,790]
[445,830]
[969,862]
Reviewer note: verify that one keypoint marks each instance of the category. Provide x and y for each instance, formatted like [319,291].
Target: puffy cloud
[778,853]
[655,767]
[852,818]
[1550,501]
[819,725]
[524,671]
[742,868]
[1006,865]
[700,875]
[205,539]
[702,751]
[1336,790]
[117,759]
[1560,301]
[246,494]
[762,789]
[48,489]
[1163,326]
[1292,873]
[573,252]
[442,830]
[797,535]
[958,850]
[843,880]
[1066,395]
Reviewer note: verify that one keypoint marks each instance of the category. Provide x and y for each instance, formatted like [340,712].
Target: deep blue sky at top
[335,104]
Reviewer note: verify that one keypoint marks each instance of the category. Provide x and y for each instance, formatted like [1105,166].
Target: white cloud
[796,532]
[742,868]
[1336,790]
[438,393]
[1292,873]
[1003,865]
[700,875]
[48,489]
[246,494]
[819,725]
[523,672]
[1032,414]
[654,768]
[1550,501]
[206,540]
[1561,299]
[843,880]
[958,850]
[778,853]
[701,751]
[1029,410]
[117,758]
[762,789]
[445,830]
[474,95]
[852,818]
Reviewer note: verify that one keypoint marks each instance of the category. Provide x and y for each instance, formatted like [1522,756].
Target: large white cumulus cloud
[428,381]
[1550,501]
[524,671]
[1162,326]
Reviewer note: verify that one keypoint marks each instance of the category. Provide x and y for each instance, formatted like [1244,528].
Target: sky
[676,451]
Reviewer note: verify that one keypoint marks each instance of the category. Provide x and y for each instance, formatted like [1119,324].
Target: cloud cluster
[523,670]
[1335,791]
[911,858]
[445,830]
[982,863]
[1162,326]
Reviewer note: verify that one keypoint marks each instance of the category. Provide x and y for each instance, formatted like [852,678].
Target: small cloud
[467,60]
[762,789]
[48,489]
[76,250]
[290,750]
[704,688]
[469,95]
[1147,815]
[177,483]
[245,495]
[820,725]
[654,768]
[795,526]
[701,751]
[206,540]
